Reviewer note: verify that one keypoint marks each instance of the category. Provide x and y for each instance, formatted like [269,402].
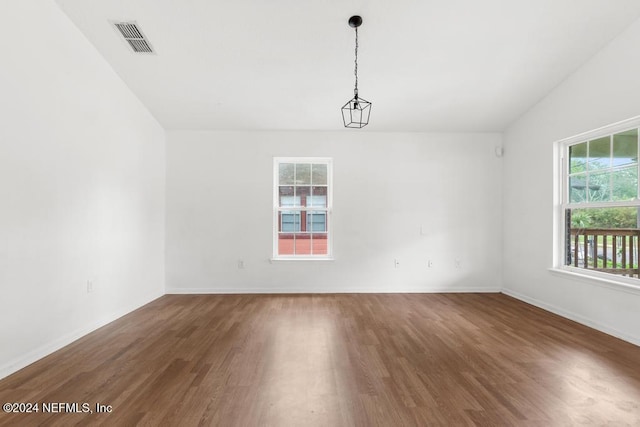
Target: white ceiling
[426,65]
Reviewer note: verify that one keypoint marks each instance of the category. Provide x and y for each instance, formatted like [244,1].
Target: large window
[302,208]
[599,209]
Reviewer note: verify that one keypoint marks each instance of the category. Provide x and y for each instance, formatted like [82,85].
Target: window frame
[561,203]
[329,208]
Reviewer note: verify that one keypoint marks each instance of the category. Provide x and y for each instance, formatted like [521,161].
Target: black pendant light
[355,113]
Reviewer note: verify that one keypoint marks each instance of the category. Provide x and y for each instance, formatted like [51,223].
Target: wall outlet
[240,264]
[396,263]
[429,264]
[457,263]
[89,286]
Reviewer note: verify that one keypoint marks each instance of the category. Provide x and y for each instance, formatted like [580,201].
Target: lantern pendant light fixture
[355,113]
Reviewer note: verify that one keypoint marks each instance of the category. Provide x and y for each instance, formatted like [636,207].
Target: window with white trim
[599,210]
[302,196]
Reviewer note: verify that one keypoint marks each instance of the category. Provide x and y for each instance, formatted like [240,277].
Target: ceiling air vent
[134,36]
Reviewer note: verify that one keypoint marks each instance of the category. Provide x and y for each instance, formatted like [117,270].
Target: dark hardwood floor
[336,360]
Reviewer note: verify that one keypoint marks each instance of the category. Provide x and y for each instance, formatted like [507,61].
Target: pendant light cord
[355,90]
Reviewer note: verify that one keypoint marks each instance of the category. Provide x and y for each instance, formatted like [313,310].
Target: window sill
[300,258]
[605,280]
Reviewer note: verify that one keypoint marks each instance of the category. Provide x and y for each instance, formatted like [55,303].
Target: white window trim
[559,201]
[329,209]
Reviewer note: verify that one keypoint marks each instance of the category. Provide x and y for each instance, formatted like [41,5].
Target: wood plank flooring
[336,360]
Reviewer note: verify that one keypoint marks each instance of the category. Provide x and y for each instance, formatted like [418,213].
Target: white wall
[81,187]
[605,90]
[387,185]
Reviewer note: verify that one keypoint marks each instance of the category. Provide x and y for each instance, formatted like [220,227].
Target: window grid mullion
[302,210]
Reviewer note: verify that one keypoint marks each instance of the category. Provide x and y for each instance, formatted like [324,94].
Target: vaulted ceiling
[426,65]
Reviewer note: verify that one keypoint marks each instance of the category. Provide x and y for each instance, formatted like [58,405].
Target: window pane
[577,189]
[316,221]
[599,184]
[319,197]
[619,217]
[625,148]
[603,239]
[302,244]
[302,194]
[600,153]
[285,244]
[286,173]
[578,157]
[286,198]
[319,244]
[289,221]
[625,184]
[319,174]
[303,174]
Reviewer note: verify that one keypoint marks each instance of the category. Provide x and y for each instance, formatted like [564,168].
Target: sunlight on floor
[298,383]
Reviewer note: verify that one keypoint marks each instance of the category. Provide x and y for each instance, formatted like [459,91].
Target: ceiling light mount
[355,113]
[355,21]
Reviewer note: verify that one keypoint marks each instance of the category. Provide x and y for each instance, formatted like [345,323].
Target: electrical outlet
[429,264]
[89,286]
[240,264]
[457,263]
[396,263]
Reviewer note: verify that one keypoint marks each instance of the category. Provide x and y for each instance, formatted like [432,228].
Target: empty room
[330,213]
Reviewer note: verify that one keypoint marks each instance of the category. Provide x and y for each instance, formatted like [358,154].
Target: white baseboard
[200,291]
[573,316]
[55,345]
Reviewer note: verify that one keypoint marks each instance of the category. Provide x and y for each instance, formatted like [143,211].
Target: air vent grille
[134,36]
[140,46]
